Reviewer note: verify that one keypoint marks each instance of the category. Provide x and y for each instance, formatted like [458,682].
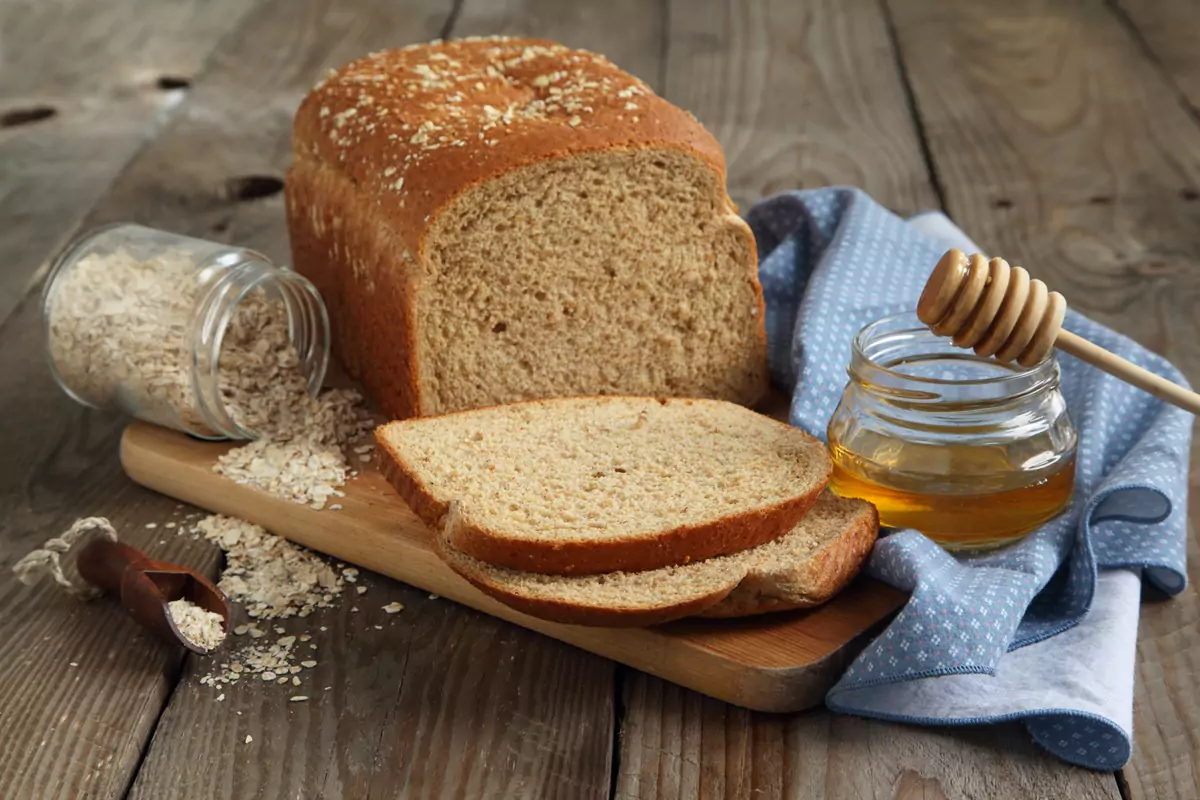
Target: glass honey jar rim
[900,359]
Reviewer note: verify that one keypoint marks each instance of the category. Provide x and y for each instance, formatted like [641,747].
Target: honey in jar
[972,452]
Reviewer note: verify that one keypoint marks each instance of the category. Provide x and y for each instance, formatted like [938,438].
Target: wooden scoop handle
[103,564]
[998,311]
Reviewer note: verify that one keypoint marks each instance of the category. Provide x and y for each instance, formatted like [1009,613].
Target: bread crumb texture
[586,472]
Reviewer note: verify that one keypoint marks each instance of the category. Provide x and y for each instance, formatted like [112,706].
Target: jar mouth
[900,356]
[308,330]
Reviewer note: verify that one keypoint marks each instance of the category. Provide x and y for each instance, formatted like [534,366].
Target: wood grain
[82,685]
[676,745]
[628,32]
[1060,144]
[499,715]
[800,95]
[776,662]
[82,86]
[439,702]
[1169,28]
[1054,137]
[1061,148]
[237,125]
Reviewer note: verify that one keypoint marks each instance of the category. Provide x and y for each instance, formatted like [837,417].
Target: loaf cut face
[805,567]
[592,485]
[500,220]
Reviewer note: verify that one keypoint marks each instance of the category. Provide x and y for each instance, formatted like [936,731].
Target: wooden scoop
[145,586]
[998,311]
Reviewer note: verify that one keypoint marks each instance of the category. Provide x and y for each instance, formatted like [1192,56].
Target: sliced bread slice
[598,484]
[805,567]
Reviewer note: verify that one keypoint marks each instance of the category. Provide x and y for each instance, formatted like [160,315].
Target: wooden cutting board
[775,662]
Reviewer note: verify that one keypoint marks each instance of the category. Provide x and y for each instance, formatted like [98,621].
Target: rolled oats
[181,332]
[269,575]
[203,628]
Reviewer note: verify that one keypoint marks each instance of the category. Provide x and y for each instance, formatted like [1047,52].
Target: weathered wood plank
[442,700]
[1061,145]
[501,713]
[83,686]
[68,125]
[628,32]
[1169,29]
[800,94]
[677,744]
[82,86]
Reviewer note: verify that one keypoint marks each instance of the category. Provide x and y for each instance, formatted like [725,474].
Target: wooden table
[1065,134]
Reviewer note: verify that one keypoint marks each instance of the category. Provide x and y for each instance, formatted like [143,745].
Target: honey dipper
[996,310]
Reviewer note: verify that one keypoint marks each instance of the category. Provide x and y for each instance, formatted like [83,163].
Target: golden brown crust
[410,488]
[368,296]
[572,614]
[763,589]
[814,583]
[414,128]
[384,144]
[680,545]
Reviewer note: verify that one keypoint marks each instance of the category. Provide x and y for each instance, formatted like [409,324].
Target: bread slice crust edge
[562,611]
[679,545]
[815,583]
[758,591]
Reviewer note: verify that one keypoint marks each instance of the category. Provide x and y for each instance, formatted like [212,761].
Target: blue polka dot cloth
[984,638]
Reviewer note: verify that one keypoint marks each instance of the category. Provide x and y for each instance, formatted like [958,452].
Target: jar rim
[907,323]
[216,309]
[890,357]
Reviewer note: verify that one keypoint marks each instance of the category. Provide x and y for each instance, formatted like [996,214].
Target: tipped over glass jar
[972,452]
[188,334]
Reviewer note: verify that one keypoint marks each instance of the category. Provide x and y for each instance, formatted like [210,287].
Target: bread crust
[369,179]
[760,590]
[813,583]
[680,545]
[572,614]
[368,295]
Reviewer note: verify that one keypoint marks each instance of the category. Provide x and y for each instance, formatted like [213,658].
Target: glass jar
[181,332]
[972,452]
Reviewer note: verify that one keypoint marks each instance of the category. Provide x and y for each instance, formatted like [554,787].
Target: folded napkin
[1034,631]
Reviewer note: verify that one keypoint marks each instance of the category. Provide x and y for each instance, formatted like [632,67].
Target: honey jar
[972,452]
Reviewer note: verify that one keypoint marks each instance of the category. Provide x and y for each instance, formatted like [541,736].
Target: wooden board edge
[144,456]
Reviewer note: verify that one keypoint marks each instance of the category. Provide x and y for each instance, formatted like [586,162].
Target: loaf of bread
[494,220]
[805,567]
[591,485]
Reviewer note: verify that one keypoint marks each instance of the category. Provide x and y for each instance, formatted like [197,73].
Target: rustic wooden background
[1063,133]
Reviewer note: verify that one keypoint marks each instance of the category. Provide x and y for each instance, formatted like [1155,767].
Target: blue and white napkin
[1045,630]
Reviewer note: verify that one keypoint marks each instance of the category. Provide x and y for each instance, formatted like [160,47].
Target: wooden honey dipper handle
[998,311]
